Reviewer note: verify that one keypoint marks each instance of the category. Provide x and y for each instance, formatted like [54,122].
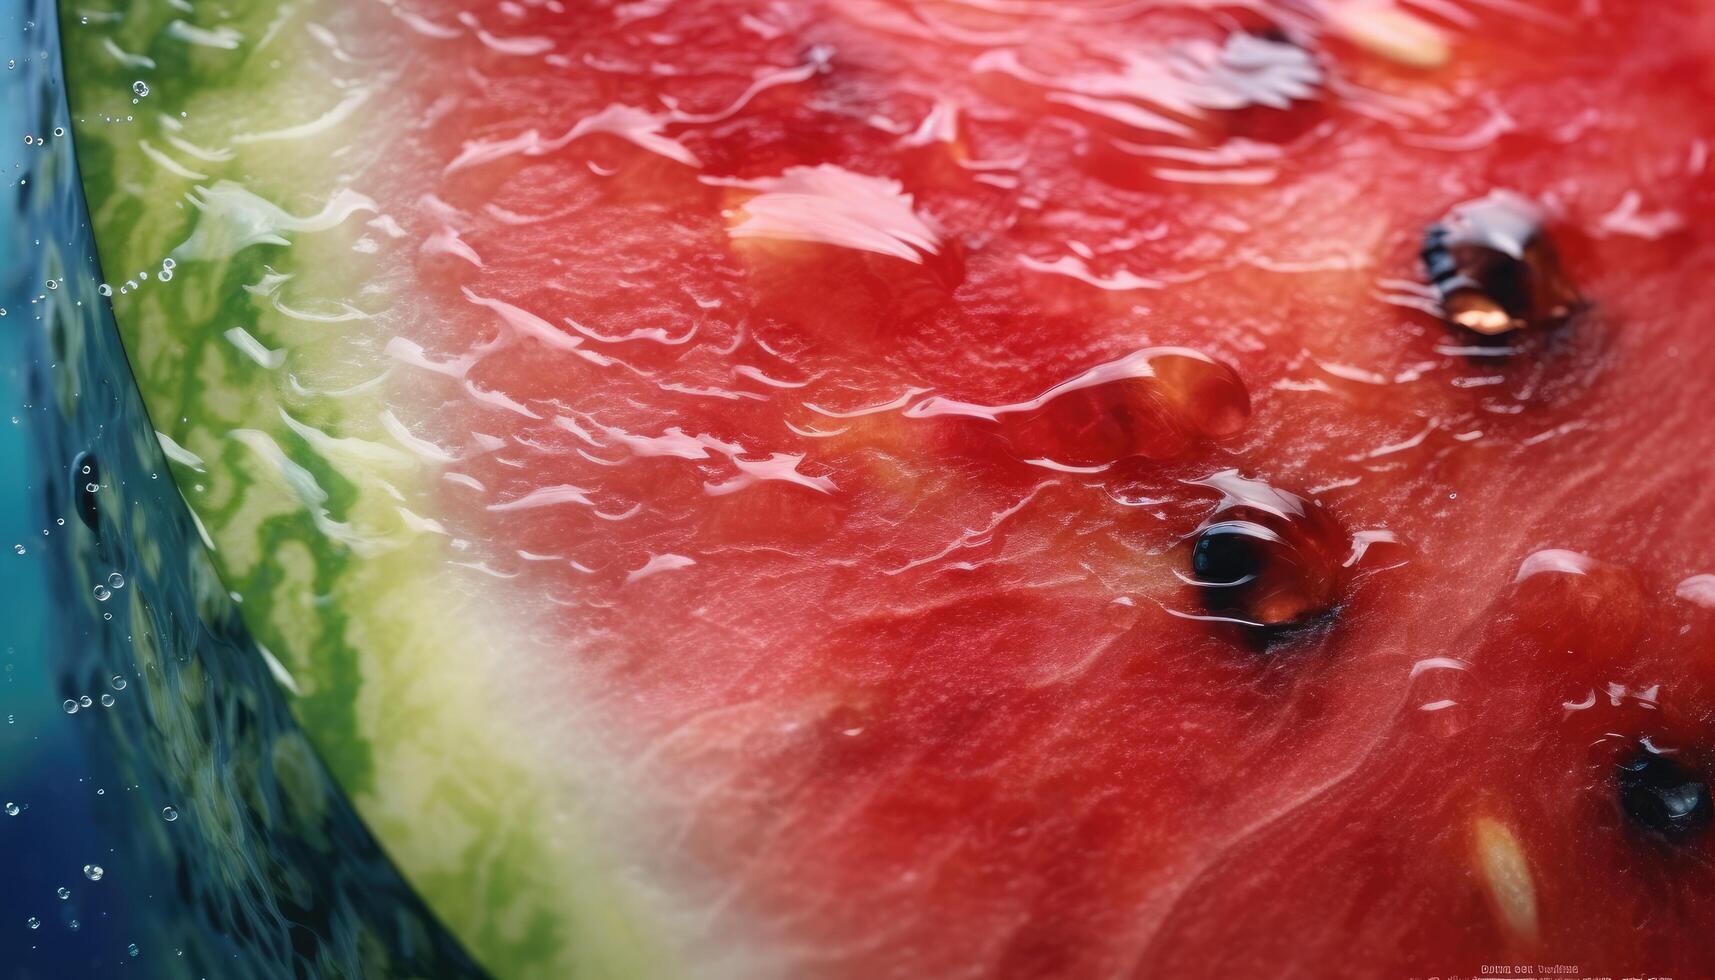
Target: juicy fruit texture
[839,436]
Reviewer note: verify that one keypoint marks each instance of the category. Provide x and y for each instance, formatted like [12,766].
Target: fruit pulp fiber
[923,488]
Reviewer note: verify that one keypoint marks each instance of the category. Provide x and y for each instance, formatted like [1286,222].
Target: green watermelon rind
[389,669]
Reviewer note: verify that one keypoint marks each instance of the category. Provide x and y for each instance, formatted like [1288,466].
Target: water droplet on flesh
[1155,403]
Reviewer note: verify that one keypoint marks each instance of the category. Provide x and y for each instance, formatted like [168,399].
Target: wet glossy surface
[800,372]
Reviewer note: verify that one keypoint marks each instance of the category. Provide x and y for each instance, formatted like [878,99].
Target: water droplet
[107,700]
[93,872]
[71,707]
[169,814]
[1155,403]
[140,87]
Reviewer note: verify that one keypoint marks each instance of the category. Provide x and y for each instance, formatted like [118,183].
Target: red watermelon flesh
[851,380]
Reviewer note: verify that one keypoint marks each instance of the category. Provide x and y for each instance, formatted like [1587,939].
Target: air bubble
[33,922]
[132,950]
[93,872]
[104,289]
[63,892]
[116,580]
[165,275]
[85,701]
[12,809]
[102,593]
[169,814]
[117,683]
[70,706]
[140,87]
[107,700]
[169,263]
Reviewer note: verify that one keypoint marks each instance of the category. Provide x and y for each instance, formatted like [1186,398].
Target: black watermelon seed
[1664,795]
[1494,269]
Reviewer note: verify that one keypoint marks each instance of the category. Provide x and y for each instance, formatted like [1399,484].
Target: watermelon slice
[941,488]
